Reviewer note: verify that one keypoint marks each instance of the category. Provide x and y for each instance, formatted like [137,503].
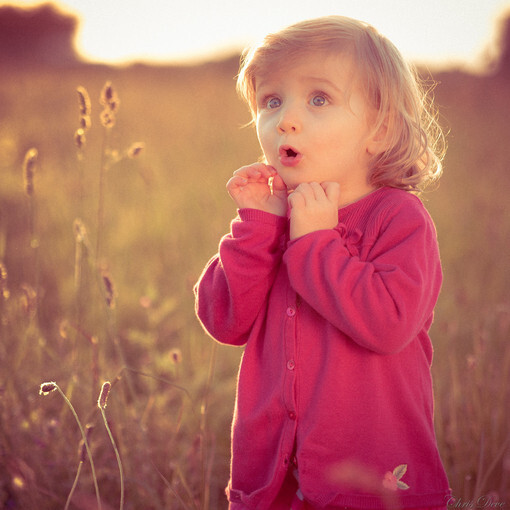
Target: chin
[291,184]
[289,181]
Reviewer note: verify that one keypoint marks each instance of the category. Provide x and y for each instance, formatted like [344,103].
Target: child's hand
[313,207]
[250,188]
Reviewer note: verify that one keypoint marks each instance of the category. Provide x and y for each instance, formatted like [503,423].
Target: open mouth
[289,156]
[288,151]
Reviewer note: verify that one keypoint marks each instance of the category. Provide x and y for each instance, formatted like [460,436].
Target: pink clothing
[336,370]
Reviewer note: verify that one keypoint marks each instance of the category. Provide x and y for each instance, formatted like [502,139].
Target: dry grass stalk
[29,300]
[81,241]
[80,138]
[82,456]
[85,113]
[29,166]
[45,389]
[101,403]
[4,290]
[110,102]
[109,289]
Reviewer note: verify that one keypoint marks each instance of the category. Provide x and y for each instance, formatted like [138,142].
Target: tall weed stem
[203,429]
[75,483]
[29,169]
[101,194]
[47,388]
[101,403]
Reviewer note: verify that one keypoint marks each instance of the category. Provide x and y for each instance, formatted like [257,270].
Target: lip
[289,160]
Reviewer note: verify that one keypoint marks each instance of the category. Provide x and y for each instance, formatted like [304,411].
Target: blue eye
[273,102]
[319,100]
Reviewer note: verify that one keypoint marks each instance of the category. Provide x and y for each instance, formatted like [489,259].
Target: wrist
[253,214]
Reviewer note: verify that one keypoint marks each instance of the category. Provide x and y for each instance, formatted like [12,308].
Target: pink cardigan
[335,376]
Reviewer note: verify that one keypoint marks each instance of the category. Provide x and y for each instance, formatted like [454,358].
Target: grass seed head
[4,291]
[103,396]
[80,231]
[63,328]
[135,150]
[109,98]
[29,299]
[85,122]
[47,387]
[107,118]
[175,356]
[109,290]
[110,101]
[29,165]
[107,93]
[79,138]
[84,102]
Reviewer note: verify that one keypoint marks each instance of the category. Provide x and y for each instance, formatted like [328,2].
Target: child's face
[313,123]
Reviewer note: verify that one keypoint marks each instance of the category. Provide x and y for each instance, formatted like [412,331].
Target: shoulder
[399,215]
[397,199]
[396,204]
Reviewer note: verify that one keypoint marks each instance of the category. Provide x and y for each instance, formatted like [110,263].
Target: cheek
[265,140]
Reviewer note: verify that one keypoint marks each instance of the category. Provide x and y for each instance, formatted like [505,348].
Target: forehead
[337,69]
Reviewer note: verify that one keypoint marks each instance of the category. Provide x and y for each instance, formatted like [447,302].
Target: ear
[378,140]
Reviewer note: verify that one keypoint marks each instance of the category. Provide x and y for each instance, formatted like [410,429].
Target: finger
[318,191]
[306,191]
[249,171]
[296,199]
[332,191]
[235,183]
[256,172]
[278,184]
[268,170]
[237,180]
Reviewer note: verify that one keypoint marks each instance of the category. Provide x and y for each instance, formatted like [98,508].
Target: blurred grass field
[172,395]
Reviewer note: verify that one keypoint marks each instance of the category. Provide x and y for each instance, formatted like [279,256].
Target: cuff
[262,217]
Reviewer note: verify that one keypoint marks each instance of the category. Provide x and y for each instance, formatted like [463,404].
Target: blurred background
[119,127]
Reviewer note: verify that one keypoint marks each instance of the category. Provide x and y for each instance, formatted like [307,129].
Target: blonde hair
[413,144]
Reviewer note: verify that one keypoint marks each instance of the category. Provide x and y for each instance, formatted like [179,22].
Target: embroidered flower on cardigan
[392,480]
[352,239]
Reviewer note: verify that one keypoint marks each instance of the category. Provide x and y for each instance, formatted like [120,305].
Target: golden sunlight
[121,31]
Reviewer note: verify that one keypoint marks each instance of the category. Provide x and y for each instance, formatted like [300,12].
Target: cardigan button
[291,364]
[291,311]
[292,415]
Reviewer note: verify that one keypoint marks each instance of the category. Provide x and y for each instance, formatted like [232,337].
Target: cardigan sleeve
[383,298]
[234,285]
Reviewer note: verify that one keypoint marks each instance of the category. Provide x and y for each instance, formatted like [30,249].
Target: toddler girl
[329,277]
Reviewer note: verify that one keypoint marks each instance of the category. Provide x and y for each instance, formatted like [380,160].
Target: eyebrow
[267,83]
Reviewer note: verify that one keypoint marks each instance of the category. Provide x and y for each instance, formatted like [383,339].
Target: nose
[289,121]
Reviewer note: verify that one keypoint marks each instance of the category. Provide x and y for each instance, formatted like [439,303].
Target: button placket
[289,366]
